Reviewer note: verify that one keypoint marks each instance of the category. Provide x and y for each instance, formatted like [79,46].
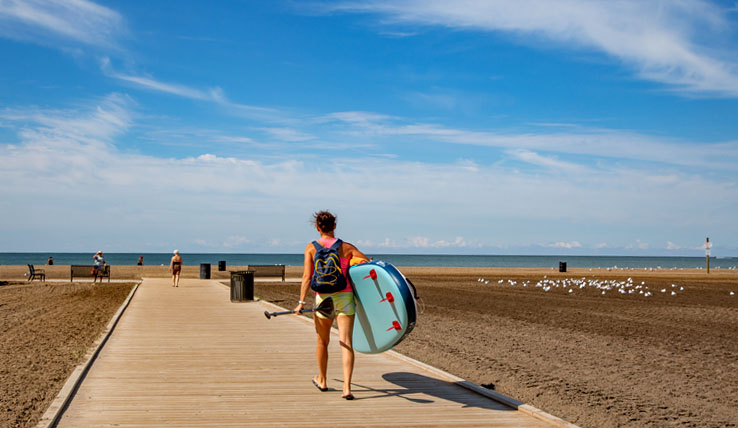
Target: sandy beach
[594,359]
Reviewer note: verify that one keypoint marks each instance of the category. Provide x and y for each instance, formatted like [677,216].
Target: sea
[233,259]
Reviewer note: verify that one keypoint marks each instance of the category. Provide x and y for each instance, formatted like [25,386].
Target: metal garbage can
[562,266]
[204,270]
[242,285]
[221,266]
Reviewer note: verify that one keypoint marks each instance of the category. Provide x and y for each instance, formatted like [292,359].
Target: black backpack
[327,274]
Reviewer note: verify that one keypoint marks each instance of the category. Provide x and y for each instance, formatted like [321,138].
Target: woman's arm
[307,274]
[352,252]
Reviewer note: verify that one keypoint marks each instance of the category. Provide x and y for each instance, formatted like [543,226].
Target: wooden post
[708,245]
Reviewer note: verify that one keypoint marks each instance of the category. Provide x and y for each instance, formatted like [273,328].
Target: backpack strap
[336,245]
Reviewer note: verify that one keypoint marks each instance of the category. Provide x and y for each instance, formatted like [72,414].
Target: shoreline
[294,273]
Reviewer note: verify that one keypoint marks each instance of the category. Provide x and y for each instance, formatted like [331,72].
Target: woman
[175,266]
[98,266]
[343,302]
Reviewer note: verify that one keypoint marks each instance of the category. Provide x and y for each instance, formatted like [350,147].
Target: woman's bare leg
[323,329]
[345,331]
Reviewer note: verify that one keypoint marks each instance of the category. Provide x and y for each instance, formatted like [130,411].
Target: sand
[595,360]
[45,330]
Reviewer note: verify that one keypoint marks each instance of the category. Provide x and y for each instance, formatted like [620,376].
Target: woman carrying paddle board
[326,273]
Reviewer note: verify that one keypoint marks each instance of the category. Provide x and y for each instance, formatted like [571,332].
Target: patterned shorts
[343,303]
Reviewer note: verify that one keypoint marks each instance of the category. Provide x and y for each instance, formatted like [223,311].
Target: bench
[85,271]
[34,273]
[268,270]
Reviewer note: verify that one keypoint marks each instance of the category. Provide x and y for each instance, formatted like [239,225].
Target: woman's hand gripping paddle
[324,308]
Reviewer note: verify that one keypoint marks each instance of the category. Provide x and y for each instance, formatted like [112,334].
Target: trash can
[562,266]
[204,270]
[221,266]
[242,286]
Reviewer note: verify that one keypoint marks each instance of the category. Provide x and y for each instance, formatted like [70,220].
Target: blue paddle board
[385,306]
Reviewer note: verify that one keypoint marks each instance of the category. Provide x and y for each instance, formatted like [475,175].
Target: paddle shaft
[325,307]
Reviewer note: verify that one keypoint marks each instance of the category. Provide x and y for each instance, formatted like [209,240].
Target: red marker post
[708,246]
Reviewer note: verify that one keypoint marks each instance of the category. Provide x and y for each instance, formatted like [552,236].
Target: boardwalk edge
[57,407]
[510,402]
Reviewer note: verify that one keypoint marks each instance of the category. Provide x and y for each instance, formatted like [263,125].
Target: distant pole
[708,245]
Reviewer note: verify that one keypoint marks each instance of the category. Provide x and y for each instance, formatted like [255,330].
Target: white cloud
[679,43]
[567,245]
[672,246]
[71,162]
[638,245]
[47,22]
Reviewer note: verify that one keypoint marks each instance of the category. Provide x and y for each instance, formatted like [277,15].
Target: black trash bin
[562,266]
[204,270]
[221,266]
[242,286]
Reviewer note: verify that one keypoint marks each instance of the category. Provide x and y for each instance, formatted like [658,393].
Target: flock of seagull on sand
[626,287]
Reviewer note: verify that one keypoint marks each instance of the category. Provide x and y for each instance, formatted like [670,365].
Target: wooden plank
[187,356]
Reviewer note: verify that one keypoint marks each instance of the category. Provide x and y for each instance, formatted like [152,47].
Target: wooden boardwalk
[189,357]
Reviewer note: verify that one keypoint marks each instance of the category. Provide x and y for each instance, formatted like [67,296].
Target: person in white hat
[99,265]
[175,266]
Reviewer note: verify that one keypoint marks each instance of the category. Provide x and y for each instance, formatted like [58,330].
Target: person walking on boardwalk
[98,266]
[175,266]
[314,273]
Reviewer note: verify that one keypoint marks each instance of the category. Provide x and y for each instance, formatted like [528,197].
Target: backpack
[327,274]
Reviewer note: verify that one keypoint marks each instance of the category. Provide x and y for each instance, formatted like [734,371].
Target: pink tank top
[327,242]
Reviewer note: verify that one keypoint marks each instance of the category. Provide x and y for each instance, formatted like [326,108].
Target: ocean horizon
[415,260]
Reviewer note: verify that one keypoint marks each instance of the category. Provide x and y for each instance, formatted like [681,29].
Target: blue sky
[472,127]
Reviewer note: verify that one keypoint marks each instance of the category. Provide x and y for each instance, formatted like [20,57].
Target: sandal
[315,382]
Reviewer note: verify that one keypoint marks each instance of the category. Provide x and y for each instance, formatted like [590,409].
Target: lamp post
[708,245]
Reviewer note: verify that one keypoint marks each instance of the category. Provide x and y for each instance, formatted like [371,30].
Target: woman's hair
[325,221]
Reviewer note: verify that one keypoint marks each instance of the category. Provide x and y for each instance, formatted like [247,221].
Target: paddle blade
[325,307]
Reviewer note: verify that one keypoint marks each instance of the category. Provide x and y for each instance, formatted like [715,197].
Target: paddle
[324,308]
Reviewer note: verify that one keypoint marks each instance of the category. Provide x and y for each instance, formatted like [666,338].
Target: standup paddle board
[385,306]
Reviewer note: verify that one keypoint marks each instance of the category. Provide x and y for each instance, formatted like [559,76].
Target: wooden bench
[85,271]
[268,270]
[34,273]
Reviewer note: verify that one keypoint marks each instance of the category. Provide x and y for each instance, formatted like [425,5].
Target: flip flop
[315,382]
[348,397]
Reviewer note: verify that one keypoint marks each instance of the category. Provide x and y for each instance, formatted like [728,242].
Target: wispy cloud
[287,134]
[46,22]
[546,161]
[679,43]
[214,95]
[600,143]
